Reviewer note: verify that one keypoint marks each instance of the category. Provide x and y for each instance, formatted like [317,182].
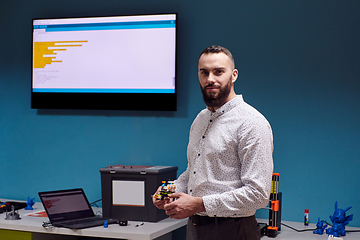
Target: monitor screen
[115,63]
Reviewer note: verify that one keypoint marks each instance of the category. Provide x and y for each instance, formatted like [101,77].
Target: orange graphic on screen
[43,48]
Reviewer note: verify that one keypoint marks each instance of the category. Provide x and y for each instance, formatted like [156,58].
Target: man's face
[216,76]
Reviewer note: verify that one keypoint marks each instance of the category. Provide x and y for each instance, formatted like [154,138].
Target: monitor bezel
[106,101]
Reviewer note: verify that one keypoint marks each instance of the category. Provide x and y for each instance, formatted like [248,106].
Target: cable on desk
[99,213]
[301,230]
[47,225]
[304,230]
[93,204]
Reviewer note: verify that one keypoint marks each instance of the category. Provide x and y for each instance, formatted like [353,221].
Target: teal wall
[299,65]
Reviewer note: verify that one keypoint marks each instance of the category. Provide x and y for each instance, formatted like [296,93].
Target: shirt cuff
[209,203]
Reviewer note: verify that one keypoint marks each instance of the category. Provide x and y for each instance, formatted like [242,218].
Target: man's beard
[213,100]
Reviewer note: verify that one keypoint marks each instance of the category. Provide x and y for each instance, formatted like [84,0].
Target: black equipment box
[126,191]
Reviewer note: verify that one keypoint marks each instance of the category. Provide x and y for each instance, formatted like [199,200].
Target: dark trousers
[213,228]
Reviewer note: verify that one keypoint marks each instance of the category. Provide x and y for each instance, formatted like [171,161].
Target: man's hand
[159,203]
[185,206]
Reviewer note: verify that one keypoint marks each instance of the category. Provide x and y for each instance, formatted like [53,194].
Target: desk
[148,231]
[289,234]
[160,230]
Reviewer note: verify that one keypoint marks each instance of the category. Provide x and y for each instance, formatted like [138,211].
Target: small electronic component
[167,187]
[123,222]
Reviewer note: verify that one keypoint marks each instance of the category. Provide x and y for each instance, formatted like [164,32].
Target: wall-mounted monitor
[112,63]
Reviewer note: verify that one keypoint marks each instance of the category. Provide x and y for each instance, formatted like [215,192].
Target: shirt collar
[227,106]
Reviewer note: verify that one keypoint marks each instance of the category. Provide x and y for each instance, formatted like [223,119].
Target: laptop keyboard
[81,221]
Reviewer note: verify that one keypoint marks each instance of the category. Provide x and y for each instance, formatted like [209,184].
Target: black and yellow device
[274,226]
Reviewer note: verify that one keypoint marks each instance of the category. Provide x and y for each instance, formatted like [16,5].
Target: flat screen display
[113,63]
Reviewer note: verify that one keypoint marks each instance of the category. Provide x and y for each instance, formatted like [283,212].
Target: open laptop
[70,209]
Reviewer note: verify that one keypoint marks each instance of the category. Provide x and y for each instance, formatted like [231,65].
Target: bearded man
[230,163]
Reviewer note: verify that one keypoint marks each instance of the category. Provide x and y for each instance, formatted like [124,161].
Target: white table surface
[147,231]
[289,234]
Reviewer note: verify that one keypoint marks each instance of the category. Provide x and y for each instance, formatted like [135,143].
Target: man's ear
[234,75]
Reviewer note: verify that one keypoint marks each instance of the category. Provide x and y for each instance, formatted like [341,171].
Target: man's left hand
[185,206]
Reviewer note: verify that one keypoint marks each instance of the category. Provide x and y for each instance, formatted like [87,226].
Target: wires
[304,230]
[301,230]
[47,225]
[93,204]
[352,231]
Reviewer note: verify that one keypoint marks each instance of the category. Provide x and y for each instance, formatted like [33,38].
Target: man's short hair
[218,49]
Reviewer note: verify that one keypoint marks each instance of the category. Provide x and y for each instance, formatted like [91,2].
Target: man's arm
[255,155]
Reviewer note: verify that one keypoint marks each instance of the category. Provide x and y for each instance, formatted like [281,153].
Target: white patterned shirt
[230,161]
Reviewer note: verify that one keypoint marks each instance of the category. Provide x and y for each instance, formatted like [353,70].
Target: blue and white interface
[125,54]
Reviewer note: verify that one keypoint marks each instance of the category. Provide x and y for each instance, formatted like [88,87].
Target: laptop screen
[66,205]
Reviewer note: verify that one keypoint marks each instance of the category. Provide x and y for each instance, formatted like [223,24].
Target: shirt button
[198,154]
[203,137]
[194,172]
